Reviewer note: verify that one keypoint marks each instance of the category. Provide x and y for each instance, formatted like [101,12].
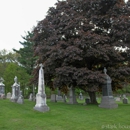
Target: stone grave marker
[72,96]
[41,105]
[118,99]
[80,96]
[125,99]
[31,97]
[58,96]
[53,98]
[15,91]
[20,98]
[64,98]
[8,95]
[107,100]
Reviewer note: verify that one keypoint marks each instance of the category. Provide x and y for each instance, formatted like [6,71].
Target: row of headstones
[107,100]
[59,97]
[56,98]
[122,98]
[16,95]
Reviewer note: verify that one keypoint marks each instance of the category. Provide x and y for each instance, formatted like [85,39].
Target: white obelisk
[41,96]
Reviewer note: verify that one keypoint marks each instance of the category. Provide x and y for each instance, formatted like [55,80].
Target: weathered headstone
[125,100]
[8,95]
[118,99]
[107,100]
[59,97]
[15,91]
[87,101]
[20,98]
[80,96]
[41,96]
[72,96]
[53,98]
[31,97]
[64,98]
[2,89]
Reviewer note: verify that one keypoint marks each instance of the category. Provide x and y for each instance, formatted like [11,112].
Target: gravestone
[15,91]
[118,99]
[8,95]
[125,99]
[53,98]
[2,89]
[20,98]
[59,97]
[72,96]
[87,101]
[31,97]
[64,98]
[80,96]
[107,100]
[41,105]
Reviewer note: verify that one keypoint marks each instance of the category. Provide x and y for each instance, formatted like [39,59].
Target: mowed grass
[63,116]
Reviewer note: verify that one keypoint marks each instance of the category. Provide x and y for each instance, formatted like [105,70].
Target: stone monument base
[42,108]
[41,103]
[108,102]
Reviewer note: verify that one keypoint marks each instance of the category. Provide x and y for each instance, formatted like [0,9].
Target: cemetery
[73,72]
[60,109]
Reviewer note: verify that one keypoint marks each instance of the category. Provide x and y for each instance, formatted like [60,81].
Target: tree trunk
[92,96]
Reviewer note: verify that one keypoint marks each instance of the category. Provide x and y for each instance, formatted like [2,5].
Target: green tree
[26,58]
[13,70]
[7,57]
[78,38]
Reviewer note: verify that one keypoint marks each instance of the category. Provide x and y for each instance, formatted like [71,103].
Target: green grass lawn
[63,116]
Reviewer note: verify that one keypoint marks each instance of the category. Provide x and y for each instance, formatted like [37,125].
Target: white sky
[19,16]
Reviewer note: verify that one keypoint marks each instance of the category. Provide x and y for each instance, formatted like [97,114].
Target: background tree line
[18,63]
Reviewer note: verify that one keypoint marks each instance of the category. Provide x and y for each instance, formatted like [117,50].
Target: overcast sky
[19,16]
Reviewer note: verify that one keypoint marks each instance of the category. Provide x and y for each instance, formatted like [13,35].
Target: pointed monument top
[41,65]
[15,79]
[1,79]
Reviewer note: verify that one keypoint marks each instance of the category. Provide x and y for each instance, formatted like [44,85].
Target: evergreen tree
[26,58]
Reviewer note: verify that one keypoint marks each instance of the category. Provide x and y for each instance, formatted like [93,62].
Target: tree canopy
[26,58]
[7,57]
[78,38]
[13,70]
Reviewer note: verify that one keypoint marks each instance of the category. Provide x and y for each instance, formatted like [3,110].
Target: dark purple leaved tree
[78,38]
